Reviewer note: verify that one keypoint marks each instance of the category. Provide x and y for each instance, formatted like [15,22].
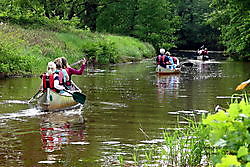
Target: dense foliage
[25,51]
[164,23]
[229,134]
[151,21]
[195,31]
[232,18]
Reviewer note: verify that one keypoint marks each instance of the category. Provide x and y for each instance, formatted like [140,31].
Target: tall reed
[181,146]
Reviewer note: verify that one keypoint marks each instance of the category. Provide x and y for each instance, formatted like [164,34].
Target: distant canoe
[51,100]
[167,71]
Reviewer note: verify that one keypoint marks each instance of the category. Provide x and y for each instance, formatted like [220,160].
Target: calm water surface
[127,106]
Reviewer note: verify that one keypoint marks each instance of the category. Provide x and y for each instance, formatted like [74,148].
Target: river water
[127,106]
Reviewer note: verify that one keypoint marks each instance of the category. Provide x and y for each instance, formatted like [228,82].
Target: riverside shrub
[229,134]
[11,58]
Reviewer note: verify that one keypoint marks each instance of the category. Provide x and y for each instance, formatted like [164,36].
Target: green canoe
[51,100]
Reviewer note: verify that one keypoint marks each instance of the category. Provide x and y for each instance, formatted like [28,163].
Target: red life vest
[48,82]
[161,59]
[175,60]
[204,52]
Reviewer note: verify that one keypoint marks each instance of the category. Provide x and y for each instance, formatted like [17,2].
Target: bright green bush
[11,58]
[105,49]
[229,134]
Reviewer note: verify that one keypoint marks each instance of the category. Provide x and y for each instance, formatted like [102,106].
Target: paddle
[73,64]
[77,96]
[243,85]
[79,61]
[31,99]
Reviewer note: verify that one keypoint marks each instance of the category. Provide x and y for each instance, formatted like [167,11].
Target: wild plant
[229,134]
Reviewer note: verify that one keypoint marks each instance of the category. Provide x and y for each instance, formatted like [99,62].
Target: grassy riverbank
[26,49]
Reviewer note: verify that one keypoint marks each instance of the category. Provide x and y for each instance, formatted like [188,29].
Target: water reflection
[58,129]
[167,86]
[120,103]
[203,70]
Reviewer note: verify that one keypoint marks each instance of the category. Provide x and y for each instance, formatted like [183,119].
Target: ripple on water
[14,102]
[189,112]
[111,142]
[22,113]
[47,162]
[154,141]
[80,143]
[114,104]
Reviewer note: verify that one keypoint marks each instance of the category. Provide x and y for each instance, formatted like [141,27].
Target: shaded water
[127,105]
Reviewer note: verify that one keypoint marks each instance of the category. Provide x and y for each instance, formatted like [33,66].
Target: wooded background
[179,24]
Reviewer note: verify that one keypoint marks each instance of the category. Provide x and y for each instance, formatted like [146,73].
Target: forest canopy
[181,24]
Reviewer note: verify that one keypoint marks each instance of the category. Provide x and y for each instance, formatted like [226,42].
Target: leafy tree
[149,20]
[195,31]
[118,17]
[157,23]
[232,18]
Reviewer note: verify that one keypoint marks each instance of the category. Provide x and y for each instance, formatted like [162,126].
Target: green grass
[27,50]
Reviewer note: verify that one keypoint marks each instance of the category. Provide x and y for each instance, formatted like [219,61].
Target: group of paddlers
[202,50]
[59,76]
[166,60]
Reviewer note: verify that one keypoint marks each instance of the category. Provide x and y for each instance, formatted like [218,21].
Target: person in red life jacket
[50,79]
[71,70]
[205,52]
[202,50]
[162,59]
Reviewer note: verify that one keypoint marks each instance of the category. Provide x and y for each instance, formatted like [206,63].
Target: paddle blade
[79,97]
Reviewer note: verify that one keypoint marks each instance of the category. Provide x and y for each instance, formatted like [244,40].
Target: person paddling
[71,70]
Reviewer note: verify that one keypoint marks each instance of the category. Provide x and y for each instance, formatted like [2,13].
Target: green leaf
[242,151]
[228,161]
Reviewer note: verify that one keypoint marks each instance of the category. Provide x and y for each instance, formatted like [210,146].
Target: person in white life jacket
[63,75]
[50,79]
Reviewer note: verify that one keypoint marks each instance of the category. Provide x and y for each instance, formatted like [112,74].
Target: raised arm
[75,71]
